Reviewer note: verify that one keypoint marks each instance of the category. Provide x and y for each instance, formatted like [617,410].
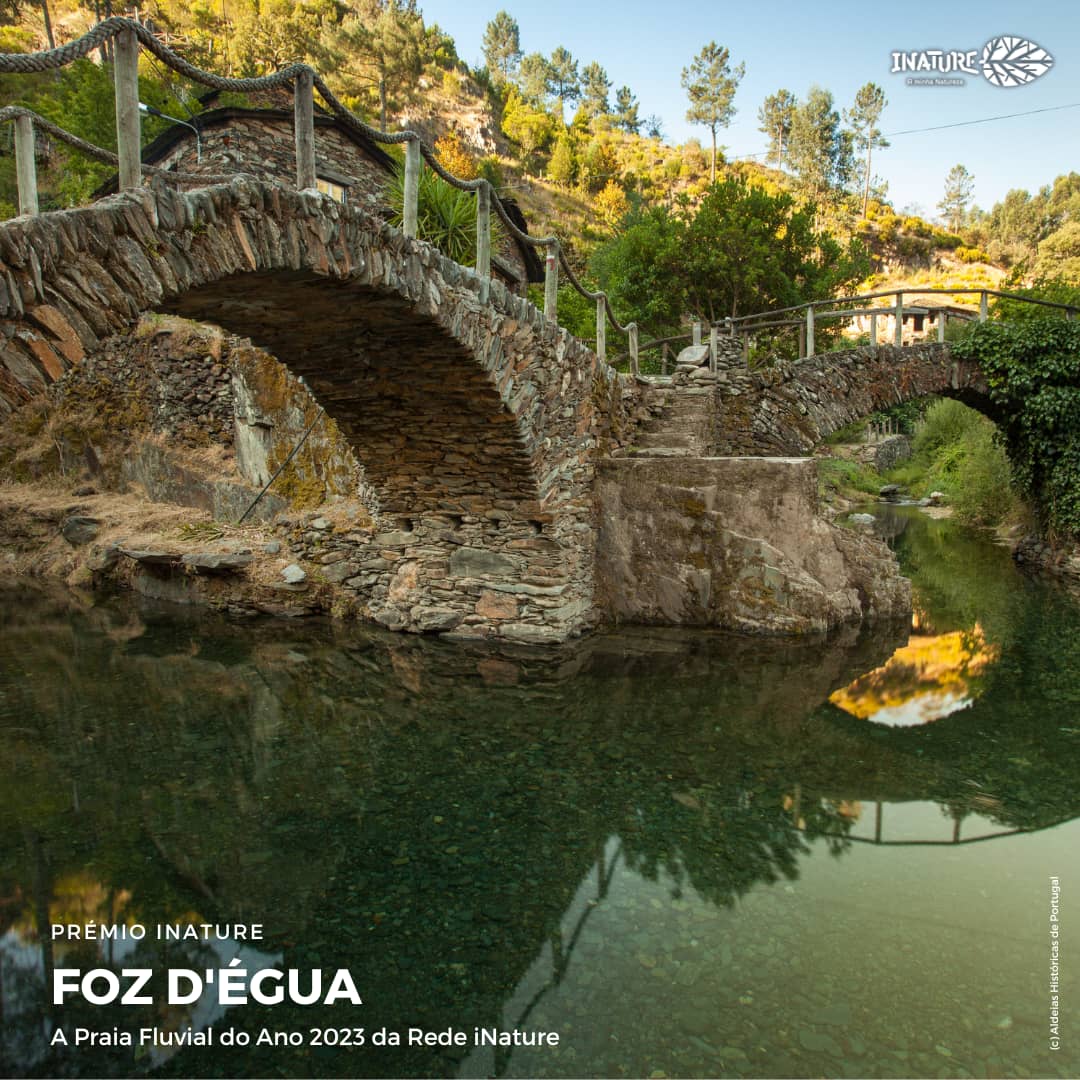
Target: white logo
[1012,61]
[1005,61]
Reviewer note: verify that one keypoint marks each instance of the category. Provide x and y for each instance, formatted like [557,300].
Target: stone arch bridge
[788,409]
[477,424]
[474,421]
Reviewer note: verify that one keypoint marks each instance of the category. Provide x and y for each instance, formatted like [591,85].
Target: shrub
[446,216]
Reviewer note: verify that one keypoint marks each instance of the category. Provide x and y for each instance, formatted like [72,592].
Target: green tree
[959,191]
[775,116]
[863,117]
[595,86]
[1034,388]
[535,77]
[562,167]
[634,269]
[626,110]
[710,83]
[740,250]
[379,46]
[565,80]
[502,47]
[819,150]
[530,126]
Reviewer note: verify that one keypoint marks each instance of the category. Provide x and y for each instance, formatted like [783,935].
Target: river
[681,853]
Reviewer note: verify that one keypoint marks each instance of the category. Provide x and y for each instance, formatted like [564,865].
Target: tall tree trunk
[866,186]
[48,24]
[712,172]
[382,101]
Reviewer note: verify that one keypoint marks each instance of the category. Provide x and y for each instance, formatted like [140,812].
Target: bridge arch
[460,408]
[789,409]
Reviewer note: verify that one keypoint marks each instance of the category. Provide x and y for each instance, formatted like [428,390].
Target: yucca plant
[446,216]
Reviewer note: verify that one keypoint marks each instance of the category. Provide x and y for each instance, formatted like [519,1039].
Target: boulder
[214,562]
[80,530]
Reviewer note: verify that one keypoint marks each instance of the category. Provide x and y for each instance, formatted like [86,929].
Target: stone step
[664,438]
[668,451]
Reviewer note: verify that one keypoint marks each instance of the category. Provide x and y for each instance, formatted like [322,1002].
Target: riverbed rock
[214,562]
[78,530]
[152,556]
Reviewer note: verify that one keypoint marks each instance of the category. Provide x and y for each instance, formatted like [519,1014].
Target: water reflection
[648,836]
[931,677]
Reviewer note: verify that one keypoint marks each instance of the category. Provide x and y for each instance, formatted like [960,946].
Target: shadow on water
[437,819]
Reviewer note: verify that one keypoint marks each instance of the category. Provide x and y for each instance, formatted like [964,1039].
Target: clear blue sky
[839,46]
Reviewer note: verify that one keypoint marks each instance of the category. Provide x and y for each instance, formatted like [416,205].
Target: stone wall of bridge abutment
[791,407]
[476,423]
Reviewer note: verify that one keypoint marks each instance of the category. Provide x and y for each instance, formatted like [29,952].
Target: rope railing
[813,312]
[131,36]
[17,113]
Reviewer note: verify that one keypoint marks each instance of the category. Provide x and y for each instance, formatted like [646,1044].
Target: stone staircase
[680,423]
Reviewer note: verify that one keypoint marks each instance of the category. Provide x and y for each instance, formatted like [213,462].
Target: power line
[942,127]
[984,120]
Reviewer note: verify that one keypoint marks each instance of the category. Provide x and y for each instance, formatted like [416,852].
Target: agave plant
[446,216]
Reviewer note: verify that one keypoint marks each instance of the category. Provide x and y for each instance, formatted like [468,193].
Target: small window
[332,188]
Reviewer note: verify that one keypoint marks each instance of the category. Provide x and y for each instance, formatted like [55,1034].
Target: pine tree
[819,149]
[594,90]
[863,117]
[534,77]
[959,191]
[502,47]
[626,109]
[565,80]
[775,116]
[710,83]
[382,45]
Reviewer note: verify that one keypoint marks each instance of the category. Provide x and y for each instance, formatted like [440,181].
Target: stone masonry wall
[789,408]
[264,146]
[478,424]
[735,543]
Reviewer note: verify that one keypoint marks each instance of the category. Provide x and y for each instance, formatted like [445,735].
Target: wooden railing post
[714,345]
[898,318]
[601,330]
[126,83]
[304,130]
[413,164]
[802,340]
[942,319]
[483,231]
[551,283]
[632,332]
[25,165]
[873,332]
[696,328]
[984,307]
[809,329]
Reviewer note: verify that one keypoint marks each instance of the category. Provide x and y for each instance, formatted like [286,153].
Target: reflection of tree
[723,841]
[927,679]
[386,809]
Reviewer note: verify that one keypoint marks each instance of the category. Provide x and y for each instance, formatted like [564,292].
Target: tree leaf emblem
[1012,61]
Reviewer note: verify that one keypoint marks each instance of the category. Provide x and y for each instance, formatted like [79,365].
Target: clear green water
[669,848]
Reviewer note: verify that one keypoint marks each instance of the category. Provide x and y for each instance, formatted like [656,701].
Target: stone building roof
[259,141]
